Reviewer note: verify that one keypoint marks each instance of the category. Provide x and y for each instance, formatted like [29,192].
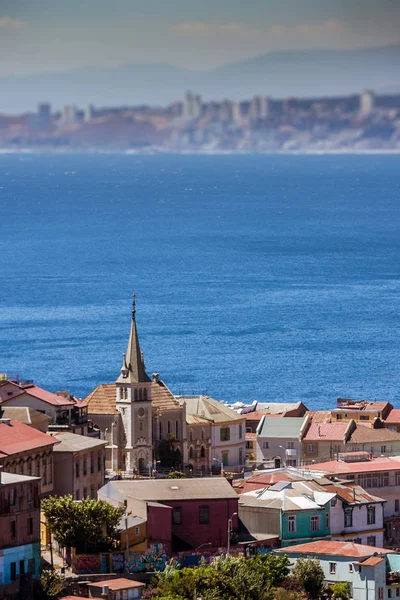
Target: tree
[89,526]
[284,594]
[52,583]
[176,475]
[340,590]
[227,578]
[309,574]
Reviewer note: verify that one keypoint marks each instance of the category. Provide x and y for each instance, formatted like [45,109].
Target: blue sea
[257,277]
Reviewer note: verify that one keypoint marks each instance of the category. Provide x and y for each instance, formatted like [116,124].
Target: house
[192,512]
[116,589]
[227,428]
[362,411]
[19,535]
[363,567]
[132,532]
[64,410]
[296,511]
[27,451]
[199,444]
[279,440]
[79,465]
[378,476]
[324,440]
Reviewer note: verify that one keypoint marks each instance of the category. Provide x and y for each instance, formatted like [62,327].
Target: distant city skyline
[55,36]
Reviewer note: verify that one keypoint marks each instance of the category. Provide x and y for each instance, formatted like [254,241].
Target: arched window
[191,452]
[177,430]
[160,430]
[191,436]
[136,395]
[145,394]
[140,395]
[169,427]
[202,452]
[202,434]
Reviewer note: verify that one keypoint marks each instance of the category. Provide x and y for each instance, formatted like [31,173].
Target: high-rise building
[88,113]
[44,113]
[259,107]
[192,106]
[237,115]
[69,114]
[367,102]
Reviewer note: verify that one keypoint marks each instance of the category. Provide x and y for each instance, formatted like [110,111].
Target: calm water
[275,278]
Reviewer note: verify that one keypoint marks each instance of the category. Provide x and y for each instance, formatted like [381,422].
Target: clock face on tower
[141,412]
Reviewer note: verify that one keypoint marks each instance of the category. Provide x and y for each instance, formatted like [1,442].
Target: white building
[278,440]
[363,567]
[227,443]
[69,114]
[367,102]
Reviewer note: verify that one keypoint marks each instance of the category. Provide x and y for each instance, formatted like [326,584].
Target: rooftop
[10,478]
[326,431]
[117,584]
[364,434]
[16,437]
[26,415]
[330,548]
[71,442]
[154,490]
[102,400]
[281,427]
[361,405]
[37,392]
[208,408]
[393,416]
[289,496]
[339,467]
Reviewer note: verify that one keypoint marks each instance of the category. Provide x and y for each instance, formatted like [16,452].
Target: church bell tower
[133,402]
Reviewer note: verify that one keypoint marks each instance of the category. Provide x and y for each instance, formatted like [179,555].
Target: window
[240,456]
[240,431]
[380,593]
[383,449]
[141,425]
[190,436]
[315,523]
[137,531]
[202,452]
[350,567]
[169,427]
[77,468]
[249,430]
[13,571]
[292,524]
[397,592]
[371,515]
[98,461]
[29,467]
[389,593]
[371,540]
[85,466]
[310,448]
[31,565]
[21,567]
[225,459]
[332,568]
[396,507]
[92,492]
[225,434]
[50,470]
[327,520]
[92,463]
[333,501]
[348,517]
[177,516]
[44,472]
[77,495]
[30,525]
[177,430]
[265,445]
[364,418]
[202,434]
[339,417]
[291,462]
[13,497]
[84,492]
[13,528]
[290,445]
[204,513]
[191,453]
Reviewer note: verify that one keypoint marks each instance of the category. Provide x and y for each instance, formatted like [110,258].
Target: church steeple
[133,369]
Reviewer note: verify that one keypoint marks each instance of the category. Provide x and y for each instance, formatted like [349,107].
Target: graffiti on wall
[86,563]
[154,559]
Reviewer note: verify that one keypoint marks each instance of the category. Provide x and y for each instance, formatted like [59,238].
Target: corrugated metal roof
[347,468]
[72,442]
[288,496]
[204,406]
[332,548]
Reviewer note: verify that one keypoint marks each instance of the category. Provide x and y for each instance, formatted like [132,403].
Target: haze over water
[267,277]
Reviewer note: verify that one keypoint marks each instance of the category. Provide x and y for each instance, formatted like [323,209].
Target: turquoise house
[296,511]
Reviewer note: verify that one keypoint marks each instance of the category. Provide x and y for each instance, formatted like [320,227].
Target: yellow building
[132,532]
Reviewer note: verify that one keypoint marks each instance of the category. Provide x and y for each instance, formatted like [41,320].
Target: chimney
[6,421]
[104,591]
[155,377]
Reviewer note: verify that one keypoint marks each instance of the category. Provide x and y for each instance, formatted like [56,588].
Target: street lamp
[112,445]
[228,550]
[221,464]
[201,546]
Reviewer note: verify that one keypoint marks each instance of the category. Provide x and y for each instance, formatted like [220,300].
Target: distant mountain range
[312,73]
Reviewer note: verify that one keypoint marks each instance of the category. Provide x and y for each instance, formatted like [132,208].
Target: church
[146,426]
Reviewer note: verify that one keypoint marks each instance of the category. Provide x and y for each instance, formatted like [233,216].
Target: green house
[296,511]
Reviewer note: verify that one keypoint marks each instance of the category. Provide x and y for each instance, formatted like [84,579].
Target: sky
[57,35]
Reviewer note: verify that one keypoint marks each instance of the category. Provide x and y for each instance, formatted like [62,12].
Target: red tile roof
[266,480]
[343,468]
[393,416]
[17,437]
[40,393]
[326,431]
[118,584]
[331,548]
[371,561]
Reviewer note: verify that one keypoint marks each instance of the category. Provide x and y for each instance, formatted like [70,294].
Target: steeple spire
[133,369]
